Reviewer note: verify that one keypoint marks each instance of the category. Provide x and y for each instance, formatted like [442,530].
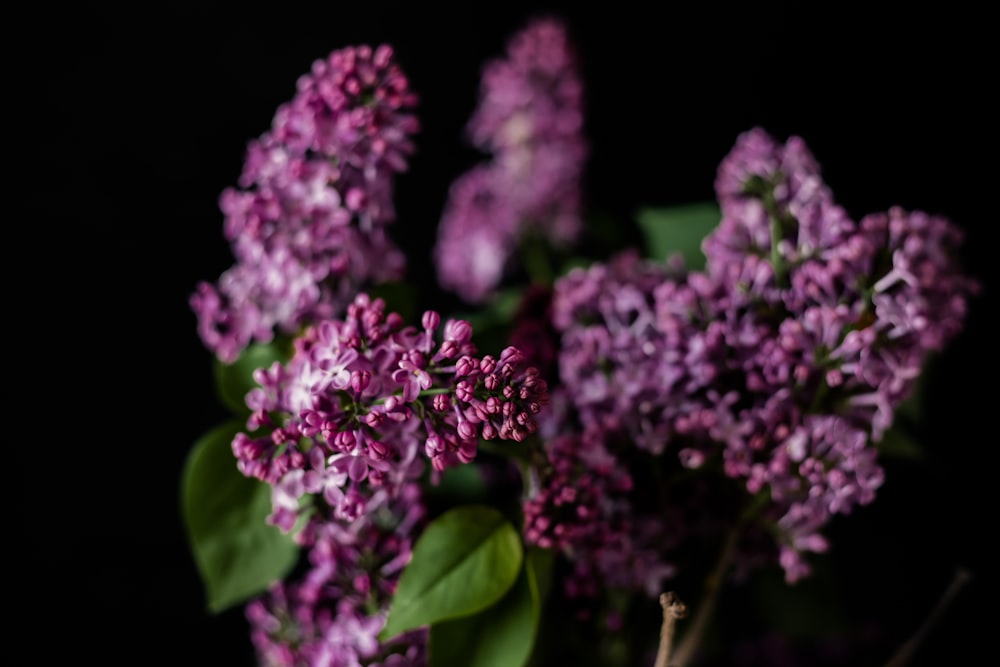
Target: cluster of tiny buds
[346,417]
[499,394]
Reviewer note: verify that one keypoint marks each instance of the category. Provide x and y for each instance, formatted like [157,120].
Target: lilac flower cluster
[333,615]
[608,325]
[785,359]
[338,432]
[530,121]
[584,504]
[583,508]
[345,421]
[307,223]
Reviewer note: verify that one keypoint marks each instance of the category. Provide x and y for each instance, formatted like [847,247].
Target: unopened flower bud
[430,320]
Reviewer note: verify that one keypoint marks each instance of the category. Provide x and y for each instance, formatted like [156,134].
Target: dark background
[134,120]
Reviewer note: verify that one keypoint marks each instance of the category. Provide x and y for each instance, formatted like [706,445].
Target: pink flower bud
[431,320]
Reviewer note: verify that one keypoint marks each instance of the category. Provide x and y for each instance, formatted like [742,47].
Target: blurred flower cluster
[638,415]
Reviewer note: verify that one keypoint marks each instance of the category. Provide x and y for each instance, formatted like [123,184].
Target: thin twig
[673,609]
[706,606]
[905,654]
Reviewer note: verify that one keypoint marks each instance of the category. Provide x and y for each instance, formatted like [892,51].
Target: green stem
[777,263]
[423,392]
[821,392]
[436,391]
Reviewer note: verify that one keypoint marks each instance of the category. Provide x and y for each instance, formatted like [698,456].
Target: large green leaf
[678,229]
[234,380]
[465,561]
[237,552]
[500,636]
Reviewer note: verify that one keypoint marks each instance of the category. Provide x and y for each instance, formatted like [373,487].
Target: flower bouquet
[571,465]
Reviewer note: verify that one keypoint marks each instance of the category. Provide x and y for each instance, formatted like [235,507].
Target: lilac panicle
[332,615]
[824,467]
[612,357]
[308,222]
[854,308]
[353,108]
[529,119]
[365,399]
[785,359]
[583,507]
[763,187]
[477,235]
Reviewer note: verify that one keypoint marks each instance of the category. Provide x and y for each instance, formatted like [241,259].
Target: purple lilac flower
[332,616]
[841,317]
[784,361]
[529,119]
[307,223]
[346,420]
[824,467]
[852,315]
[918,304]
[764,187]
[583,506]
[621,369]
[477,235]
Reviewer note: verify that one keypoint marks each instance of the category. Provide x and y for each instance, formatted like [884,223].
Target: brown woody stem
[673,609]
[706,606]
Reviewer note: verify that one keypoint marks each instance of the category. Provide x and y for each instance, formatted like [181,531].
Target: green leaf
[678,229]
[500,636]
[897,444]
[237,552]
[234,380]
[465,561]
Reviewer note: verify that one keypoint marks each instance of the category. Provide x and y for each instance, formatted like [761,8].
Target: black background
[134,120]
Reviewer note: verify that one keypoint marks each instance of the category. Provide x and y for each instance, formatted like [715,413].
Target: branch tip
[672,605]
